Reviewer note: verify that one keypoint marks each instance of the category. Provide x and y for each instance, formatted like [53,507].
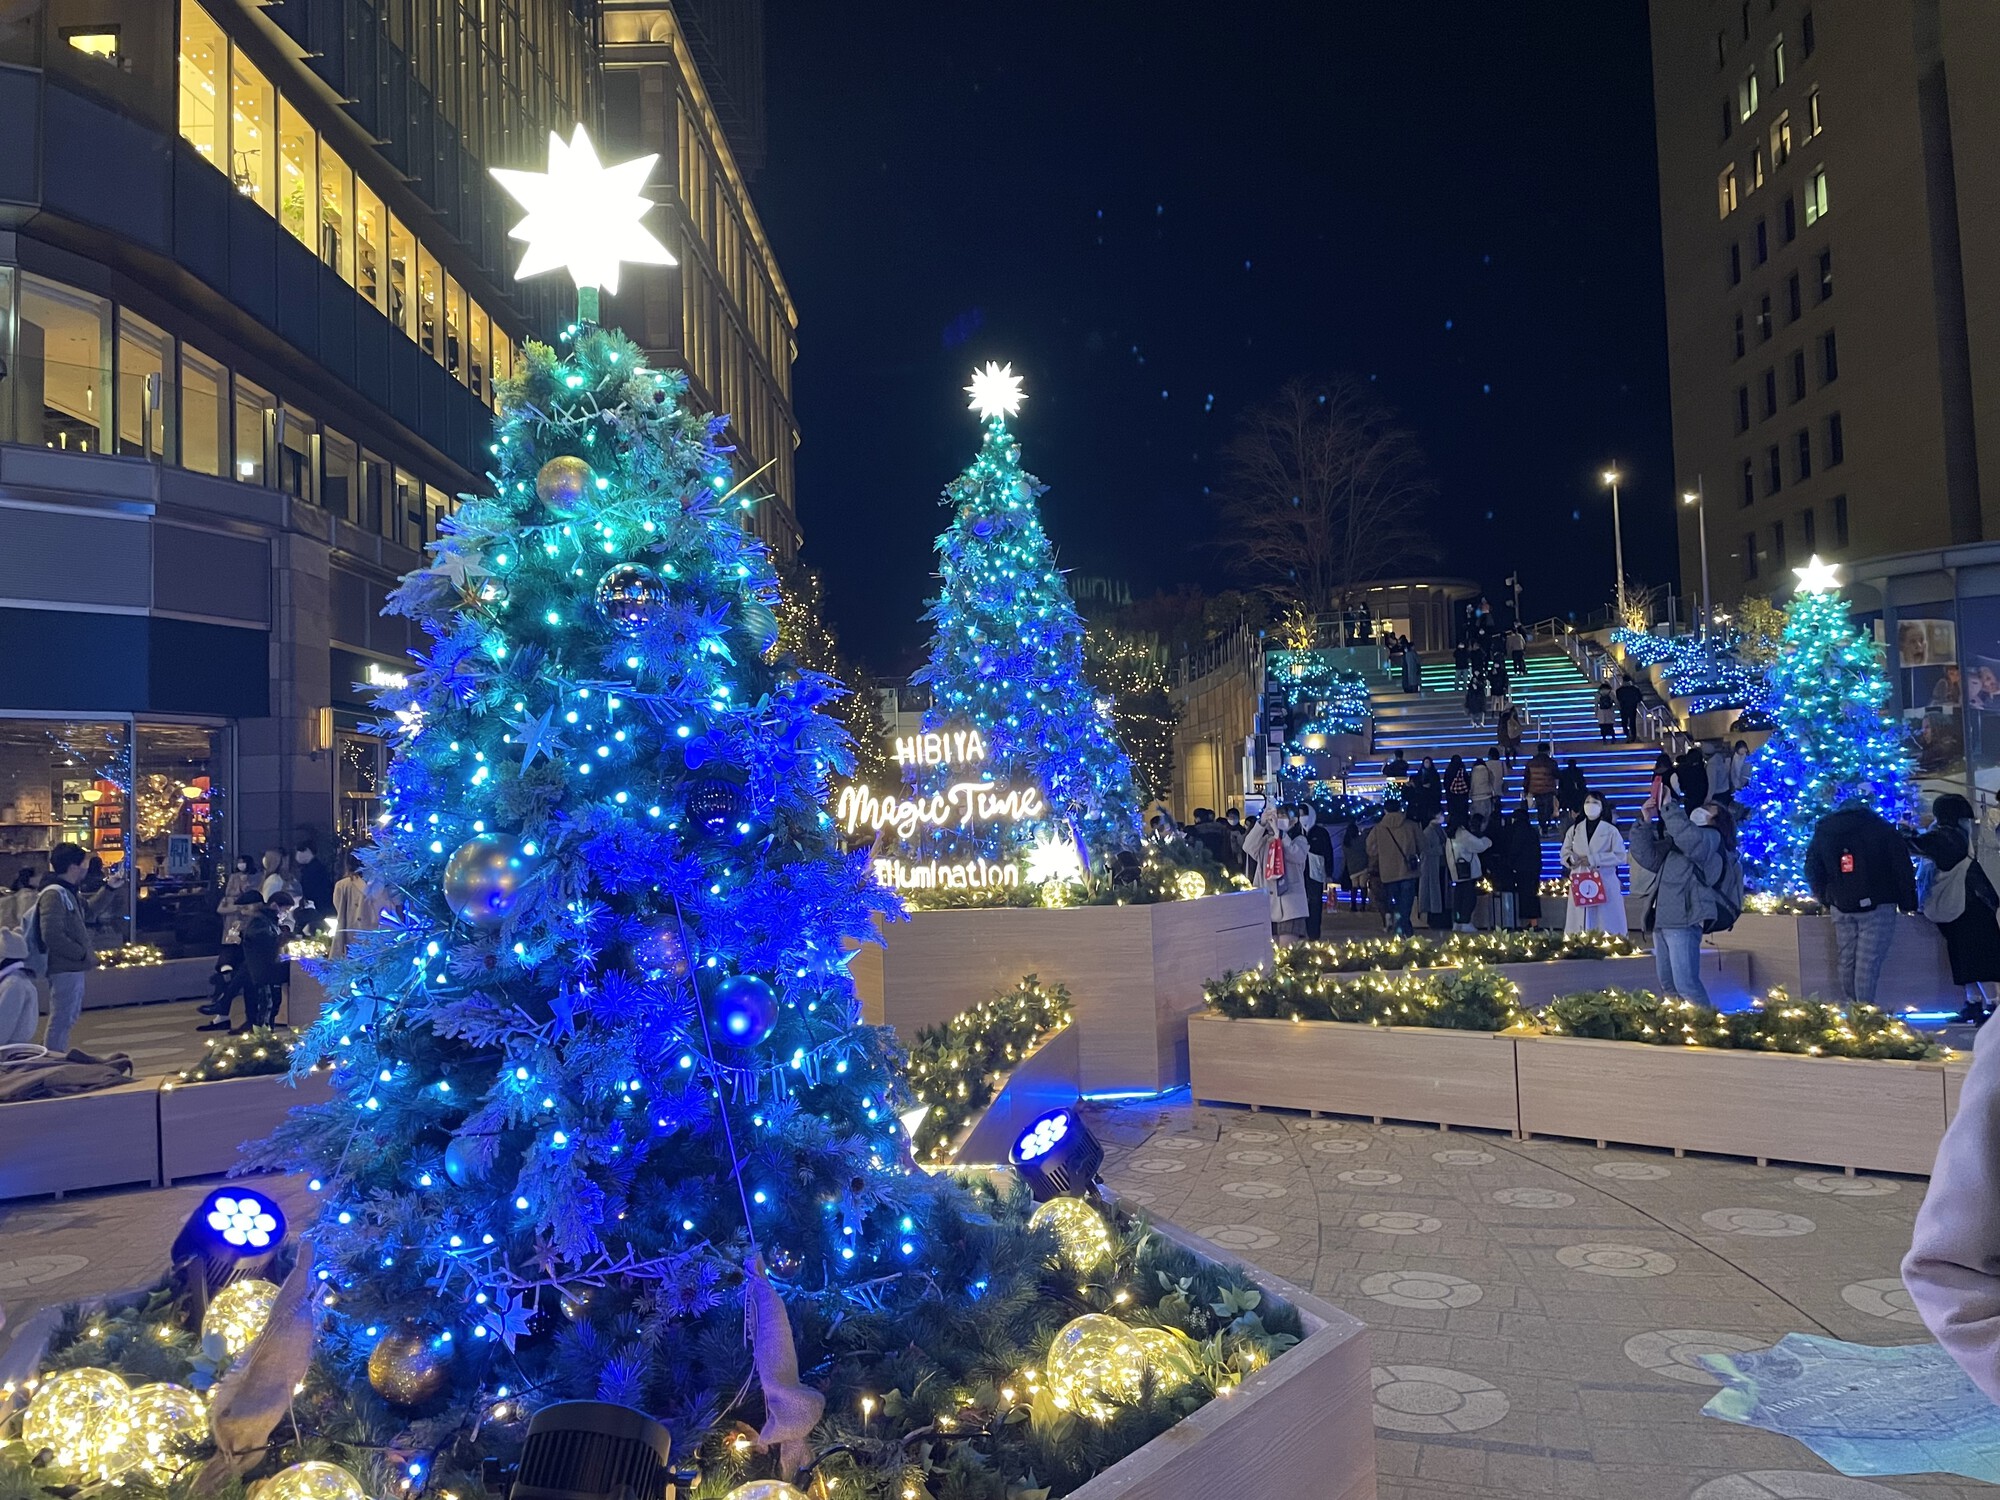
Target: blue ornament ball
[459,1164]
[660,952]
[485,878]
[745,1009]
[714,802]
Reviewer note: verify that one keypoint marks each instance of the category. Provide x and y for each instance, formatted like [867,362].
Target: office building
[1833,291]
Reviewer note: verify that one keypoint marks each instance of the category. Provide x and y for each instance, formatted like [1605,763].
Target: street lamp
[1698,498]
[1611,480]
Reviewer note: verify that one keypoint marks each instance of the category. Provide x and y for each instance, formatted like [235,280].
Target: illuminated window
[298,149]
[252,118]
[477,359]
[1812,114]
[1725,191]
[254,408]
[371,248]
[454,329]
[204,67]
[402,277]
[430,327]
[1816,199]
[336,212]
[1778,61]
[144,396]
[1756,169]
[1781,139]
[71,332]
[94,41]
[1746,95]
[204,409]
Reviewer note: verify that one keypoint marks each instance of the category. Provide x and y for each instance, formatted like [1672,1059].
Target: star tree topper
[583,217]
[995,391]
[1818,577]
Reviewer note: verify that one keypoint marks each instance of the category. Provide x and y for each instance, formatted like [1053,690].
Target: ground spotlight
[234,1231]
[594,1450]
[1057,1156]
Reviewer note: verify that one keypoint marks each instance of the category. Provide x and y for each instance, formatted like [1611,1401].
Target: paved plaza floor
[1536,1308]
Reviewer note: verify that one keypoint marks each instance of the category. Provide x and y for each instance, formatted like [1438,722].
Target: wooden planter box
[1726,974]
[1134,973]
[107,1138]
[142,984]
[203,1126]
[1800,954]
[1384,1072]
[1303,1426]
[1841,1112]
[1045,1079]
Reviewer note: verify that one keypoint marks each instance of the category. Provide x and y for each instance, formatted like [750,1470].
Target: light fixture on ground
[233,1232]
[593,1450]
[1057,1156]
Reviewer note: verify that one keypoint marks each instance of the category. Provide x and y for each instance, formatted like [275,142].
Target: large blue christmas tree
[1833,742]
[1007,649]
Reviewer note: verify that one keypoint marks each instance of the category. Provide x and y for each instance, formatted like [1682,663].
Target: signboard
[935,817]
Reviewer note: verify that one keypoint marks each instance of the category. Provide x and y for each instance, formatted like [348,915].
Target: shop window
[145,395]
[298,150]
[478,361]
[371,246]
[402,277]
[336,212]
[252,132]
[181,846]
[204,74]
[339,474]
[64,353]
[254,408]
[204,413]
[64,781]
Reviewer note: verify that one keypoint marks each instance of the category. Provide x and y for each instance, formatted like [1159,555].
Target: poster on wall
[1933,691]
[180,854]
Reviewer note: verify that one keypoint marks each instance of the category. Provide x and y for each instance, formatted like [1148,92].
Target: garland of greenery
[1469,999]
[956,1068]
[1524,946]
[248,1054]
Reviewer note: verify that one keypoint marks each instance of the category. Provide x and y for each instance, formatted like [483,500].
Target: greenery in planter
[1524,946]
[1470,999]
[1778,1023]
[956,1068]
[1615,1015]
[249,1054]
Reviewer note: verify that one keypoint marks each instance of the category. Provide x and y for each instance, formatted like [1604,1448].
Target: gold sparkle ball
[238,1313]
[311,1480]
[562,483]
[74,1416]
[164,1424]
[409,1366]
[1095,1366]
[1082,1237]
[1170,1355]
[766,1489]
[1189,884]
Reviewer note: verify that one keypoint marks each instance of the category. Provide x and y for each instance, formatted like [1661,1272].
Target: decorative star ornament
[582,215]
[995,391]
[537,736]
[1818,577]
[1052,857]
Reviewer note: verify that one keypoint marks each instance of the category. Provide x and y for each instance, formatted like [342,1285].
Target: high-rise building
[256,291]
[1833,277]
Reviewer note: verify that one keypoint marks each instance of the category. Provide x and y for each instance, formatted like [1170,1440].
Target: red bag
[1586,888]
[1274,861]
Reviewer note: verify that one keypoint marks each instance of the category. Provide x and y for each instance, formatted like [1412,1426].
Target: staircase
[1560,703]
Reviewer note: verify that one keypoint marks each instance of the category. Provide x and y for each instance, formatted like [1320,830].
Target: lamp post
[1698,498]
[1611,479]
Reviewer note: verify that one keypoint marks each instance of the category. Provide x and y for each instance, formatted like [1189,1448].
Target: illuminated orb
[1189,884]
[1081,1235]
[564,482]
[312,1480]
[1170,1355]
[1095,1366]
[484,879]
[766,1489]
[72,1416]
[238,1314]
[164,1424]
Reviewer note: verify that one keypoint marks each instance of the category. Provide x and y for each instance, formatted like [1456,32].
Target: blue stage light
[1057,1156]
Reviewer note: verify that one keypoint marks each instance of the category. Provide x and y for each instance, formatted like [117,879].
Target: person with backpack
[1463,846]
[57,937]
[1698,886]
[1542,781]
[1859,869]
[1457,792]
[1629,696]
[1488,779]
[1592,851]
[1962,901]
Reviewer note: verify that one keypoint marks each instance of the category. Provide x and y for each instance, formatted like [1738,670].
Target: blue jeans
[1864,938]
[1398,896]
[1677,955]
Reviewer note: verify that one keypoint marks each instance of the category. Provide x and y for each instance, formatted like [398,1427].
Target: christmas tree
[1007,652]
[1826,686]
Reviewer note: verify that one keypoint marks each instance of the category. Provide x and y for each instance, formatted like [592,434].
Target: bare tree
[1324,492]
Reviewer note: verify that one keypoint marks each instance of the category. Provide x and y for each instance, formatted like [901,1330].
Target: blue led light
[1041,1137]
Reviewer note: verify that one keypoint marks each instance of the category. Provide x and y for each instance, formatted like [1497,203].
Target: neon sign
[964,805]
[945,875]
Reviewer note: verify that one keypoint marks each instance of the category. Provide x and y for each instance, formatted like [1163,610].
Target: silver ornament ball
[631,596]
[484,879]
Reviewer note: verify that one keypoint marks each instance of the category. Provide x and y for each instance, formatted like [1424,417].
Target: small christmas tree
[1007,653]
[1827,688]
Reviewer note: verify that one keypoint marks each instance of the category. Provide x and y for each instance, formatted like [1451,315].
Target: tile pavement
[1537,1307]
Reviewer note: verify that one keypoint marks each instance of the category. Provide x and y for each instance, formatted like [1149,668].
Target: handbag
[1316,869]
[1944,896]
[1586,888]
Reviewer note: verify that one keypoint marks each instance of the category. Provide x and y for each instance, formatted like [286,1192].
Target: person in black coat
[1629,699]
[1426,794]
[1972,937]
[1571,789]
[1522,869]
[315,884]
[1692,768]
[263,959]
[1457,792]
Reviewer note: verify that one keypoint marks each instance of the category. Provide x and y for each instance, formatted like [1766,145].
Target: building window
[336,212]
[145,398]
[1809,530]
[1749,554]
[1790,218]
[371,226]
[1825,274]
[1746,95]
[1813,125]
[1749,482]
[1770,393]
[298,154]
[1721,50]
[339,475]
[402,277]
[1829,359]
[1763,242]
[253,126]
[1743,408]
[1781,139]
[430,329]
[1793,302]
[204,413]
[1764,319]
[1756,169]
[1728,118]
[65,340]
[1746,20]
[1778,544]
[1739,335]
[1798,375]
[1774,470]
[204,75]
[1836,441]
[454,329]
[1840,521]
[1804,442]
[1807,41]
[1735,264]
[254,411]
[1725,191]
[1816,201]
[1778,62]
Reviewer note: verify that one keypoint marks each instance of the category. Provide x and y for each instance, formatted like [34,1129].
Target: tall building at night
[1832,249]
[256,293]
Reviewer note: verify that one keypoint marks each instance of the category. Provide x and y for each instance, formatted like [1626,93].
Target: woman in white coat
[1275,847]
[1594,843]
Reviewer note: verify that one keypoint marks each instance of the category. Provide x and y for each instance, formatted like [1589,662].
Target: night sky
[1159,213]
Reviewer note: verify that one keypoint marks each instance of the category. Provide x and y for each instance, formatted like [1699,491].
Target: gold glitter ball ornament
[1095,1366]
[409,1366]
[564,483]
[238,1313]
[1082,1237]
[311,1480]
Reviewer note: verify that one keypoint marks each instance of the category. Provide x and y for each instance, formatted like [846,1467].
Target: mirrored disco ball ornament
[1082,1237]
[563,484]
[745,1009]
[71,1415]
[409,1365]
[483,879]
[311,1480]
[1095,1366]
[760,623]
[238,1313]
[713,803]
[630,597]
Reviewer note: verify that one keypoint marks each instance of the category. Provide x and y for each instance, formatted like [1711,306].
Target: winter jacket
[1320,841]
[19,1003]
[1953,1268]
[1465,847]
[1486,778]
[316,887]
[65,928]
[1432,883]
[1395,848]
[1687,864]
[1542,776]
[1858,862]
[262,963]
[1571,788]
[1288,895]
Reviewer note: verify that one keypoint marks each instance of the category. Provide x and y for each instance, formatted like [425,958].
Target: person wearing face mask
[1592,851]
[1322,867]
[1697,886]
[1278,854]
